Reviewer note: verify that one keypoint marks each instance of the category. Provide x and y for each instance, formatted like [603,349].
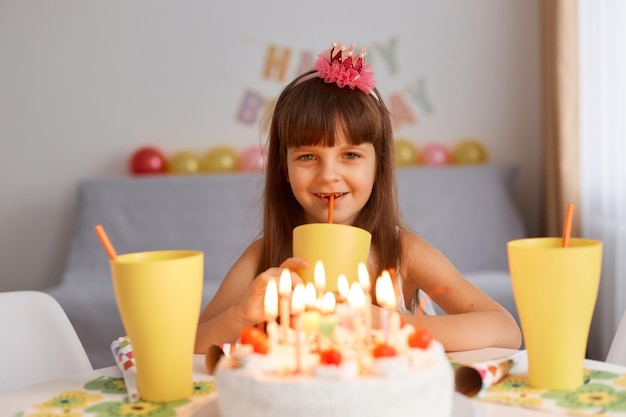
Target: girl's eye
[306,157]
[352,155]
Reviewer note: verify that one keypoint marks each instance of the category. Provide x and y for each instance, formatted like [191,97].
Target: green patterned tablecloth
[602,394]
[106,397]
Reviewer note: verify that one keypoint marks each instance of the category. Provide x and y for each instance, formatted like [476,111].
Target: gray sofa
[465,211]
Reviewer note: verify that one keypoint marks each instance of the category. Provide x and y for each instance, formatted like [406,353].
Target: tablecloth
[107,397]
[505,381]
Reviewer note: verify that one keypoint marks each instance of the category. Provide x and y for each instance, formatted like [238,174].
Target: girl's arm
[474,320]
[239,300]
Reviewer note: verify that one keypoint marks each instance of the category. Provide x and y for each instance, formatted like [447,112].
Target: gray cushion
[467,212]
[216,214]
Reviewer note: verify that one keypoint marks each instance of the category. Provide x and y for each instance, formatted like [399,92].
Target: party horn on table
[123,353]
[470,379]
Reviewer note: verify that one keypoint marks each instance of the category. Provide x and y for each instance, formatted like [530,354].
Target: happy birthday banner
[279,59]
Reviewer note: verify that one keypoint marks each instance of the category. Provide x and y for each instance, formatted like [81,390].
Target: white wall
[85,83]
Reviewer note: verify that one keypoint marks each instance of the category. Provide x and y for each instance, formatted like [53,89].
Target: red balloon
[148,160]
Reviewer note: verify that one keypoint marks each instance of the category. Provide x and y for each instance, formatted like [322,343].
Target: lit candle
[356,297]
[271,312]
[386,296]
[328,303]
[364,277]
[342,288]
[297,307]
[328,320]
[310,318]
[319,276]
[364,280]
[284,292]
[343,311]
[356,300]
[310,295]
[297,301]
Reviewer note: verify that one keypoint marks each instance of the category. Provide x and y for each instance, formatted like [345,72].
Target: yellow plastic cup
[555,291]
[159,296]
[340,248]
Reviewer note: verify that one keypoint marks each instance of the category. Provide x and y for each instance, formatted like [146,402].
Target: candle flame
[284,285]
[342,286]
[364,277]
[328,303]
[356,296]
[271,300]
[310,295]
[385,294]
[297,299]
[319,276]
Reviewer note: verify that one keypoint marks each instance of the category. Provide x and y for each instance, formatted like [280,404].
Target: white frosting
[349,369]
[415,382]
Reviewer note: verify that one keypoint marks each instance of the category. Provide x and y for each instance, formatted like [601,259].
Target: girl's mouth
[327,196]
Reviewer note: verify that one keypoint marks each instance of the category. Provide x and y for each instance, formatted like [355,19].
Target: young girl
[331,134]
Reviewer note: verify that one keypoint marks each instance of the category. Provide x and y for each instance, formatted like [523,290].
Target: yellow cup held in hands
[159,296]
[340,248]
[555,290]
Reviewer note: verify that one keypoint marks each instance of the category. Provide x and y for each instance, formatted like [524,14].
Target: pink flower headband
[341,66]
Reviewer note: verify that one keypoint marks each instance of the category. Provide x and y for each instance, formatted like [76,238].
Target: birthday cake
[331,363]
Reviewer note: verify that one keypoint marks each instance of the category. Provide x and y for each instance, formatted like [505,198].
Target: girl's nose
[328,171]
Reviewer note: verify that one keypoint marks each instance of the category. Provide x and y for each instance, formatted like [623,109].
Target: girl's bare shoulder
[411,241]
[422,263]
[254,250]
[256,244]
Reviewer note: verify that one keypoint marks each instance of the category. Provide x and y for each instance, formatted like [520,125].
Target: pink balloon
[435,154]
[253,159]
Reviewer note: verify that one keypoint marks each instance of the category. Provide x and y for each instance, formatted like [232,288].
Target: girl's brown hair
[308,112]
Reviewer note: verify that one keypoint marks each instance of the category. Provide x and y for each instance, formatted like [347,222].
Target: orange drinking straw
[331,204]
[106,242]
[567,227]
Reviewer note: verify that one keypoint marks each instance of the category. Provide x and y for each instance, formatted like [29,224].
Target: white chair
[617,351]
[37,340]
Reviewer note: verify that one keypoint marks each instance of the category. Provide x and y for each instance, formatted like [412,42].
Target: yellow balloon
[405,153]
[470,152]
[184,162]
[220,159]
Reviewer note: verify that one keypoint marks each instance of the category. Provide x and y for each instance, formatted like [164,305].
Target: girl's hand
[251,308]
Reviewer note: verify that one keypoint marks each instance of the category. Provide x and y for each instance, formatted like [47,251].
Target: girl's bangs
[305,127]
[316,120]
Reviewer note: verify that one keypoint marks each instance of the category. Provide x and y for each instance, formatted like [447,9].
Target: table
[488,409]
[15,401]
[24,398]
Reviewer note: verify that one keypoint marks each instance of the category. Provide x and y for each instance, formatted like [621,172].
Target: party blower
[159,296]
[339,247]
[555,286]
